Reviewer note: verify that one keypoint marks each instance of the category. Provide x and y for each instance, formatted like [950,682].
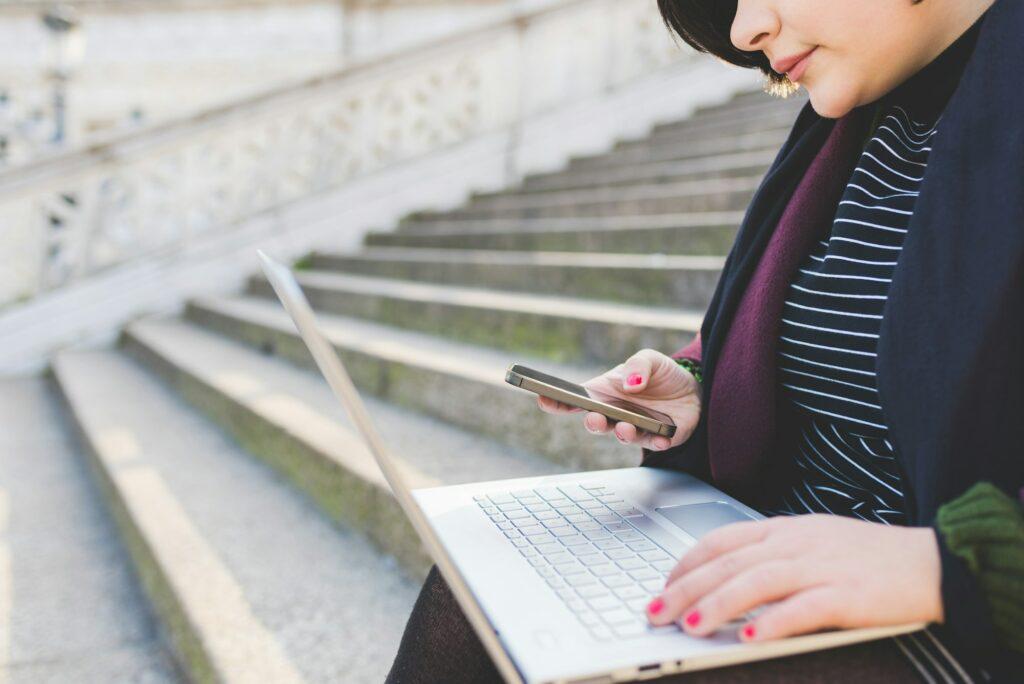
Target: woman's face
[862,48]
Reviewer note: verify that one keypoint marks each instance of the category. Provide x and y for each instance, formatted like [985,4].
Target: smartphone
[612,408]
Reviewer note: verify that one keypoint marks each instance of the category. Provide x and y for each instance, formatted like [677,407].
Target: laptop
[554,572]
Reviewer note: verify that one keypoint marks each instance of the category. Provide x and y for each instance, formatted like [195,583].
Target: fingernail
[693,618]
[634,379]
[748,631]
[655,606]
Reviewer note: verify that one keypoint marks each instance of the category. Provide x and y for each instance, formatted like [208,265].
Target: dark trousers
[439,646]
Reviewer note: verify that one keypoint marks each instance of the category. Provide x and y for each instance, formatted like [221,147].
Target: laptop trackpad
[699,519]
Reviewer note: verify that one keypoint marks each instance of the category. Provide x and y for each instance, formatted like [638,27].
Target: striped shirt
[842,459]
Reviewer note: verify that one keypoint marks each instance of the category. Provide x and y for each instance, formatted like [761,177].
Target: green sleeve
[985,527]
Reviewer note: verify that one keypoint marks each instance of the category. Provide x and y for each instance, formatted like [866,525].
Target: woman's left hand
[822,571]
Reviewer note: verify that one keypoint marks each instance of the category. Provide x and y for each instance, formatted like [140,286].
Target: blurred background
[462,184]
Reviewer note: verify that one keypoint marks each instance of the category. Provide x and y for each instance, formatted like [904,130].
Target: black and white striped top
[842,460]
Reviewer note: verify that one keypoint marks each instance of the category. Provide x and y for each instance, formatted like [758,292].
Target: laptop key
[617,616]
[651,556]
[615,581]
[581,580]
[654,586]
[664,566]
[633,563]
[628,535]
[520,542]
[576,493]
[603,603]
[549,548]
[604,570]
[528,551]
[556,582]
[548,493]
[619,553]
[644,574]
[587,526]
[557,558]
[516,515]
[589,618]
[630,591]
[576,605]
[501,498]
[590,591]
[594,535]
[527,530]
[629,629]
[577,543]
[638,605]
[608,544]
[641,545]
[540,538]
[569,568]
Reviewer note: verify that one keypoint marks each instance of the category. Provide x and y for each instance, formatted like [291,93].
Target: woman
[873,412]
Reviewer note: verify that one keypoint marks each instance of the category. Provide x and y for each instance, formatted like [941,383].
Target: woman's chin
[830,104]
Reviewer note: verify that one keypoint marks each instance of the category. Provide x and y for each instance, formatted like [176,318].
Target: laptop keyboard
[580,540]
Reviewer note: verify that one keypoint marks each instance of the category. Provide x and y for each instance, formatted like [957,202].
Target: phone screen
[593,394]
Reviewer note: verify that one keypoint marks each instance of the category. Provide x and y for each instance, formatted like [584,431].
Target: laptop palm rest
[700,518]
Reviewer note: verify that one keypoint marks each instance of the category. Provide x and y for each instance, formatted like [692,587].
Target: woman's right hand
[663,386]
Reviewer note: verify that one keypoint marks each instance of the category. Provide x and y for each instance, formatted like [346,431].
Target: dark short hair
[706,25]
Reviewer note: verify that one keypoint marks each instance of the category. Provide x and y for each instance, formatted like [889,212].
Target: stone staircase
[264,542]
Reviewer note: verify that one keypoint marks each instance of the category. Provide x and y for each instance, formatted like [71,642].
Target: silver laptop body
[554,572]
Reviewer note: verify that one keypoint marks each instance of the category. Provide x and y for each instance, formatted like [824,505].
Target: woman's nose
[755,25]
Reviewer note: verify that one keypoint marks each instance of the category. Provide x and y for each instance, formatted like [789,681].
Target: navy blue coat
[950,368]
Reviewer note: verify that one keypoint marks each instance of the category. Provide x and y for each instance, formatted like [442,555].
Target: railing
[152,192]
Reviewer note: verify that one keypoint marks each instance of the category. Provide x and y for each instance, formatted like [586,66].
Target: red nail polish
[693,618]
[634,379]
[748,631]
[655,606]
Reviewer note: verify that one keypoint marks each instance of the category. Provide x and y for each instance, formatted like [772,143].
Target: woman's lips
[798,69]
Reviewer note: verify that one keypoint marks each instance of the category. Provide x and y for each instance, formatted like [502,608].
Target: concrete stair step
[70,608]
[695,234]
[559,328]
[251,582]
[288,417]
[720,194]
[732,121]
[460,384]
[649,279]
[759,95]
[642,151]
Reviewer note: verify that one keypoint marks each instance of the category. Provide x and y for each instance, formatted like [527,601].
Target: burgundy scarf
[742,417]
